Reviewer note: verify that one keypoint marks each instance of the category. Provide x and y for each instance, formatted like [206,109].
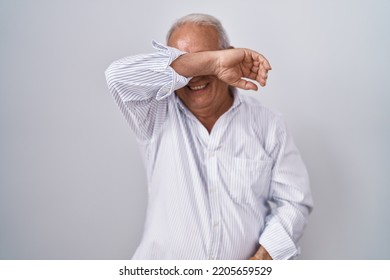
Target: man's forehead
[194,38]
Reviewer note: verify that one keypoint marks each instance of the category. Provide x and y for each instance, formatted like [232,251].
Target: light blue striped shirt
[217,195]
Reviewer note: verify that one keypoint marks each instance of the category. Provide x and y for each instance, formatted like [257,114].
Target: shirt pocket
[248,180]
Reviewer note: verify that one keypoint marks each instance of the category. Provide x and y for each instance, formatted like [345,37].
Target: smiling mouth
[200,87]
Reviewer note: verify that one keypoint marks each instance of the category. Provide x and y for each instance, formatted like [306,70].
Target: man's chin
[195,103]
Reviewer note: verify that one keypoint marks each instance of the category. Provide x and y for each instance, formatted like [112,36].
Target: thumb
[245,84]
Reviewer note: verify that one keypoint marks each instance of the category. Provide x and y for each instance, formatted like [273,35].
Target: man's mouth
[198,87]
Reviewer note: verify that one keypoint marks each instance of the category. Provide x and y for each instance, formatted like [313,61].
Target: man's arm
[141,84]
[290,195]
[229,65]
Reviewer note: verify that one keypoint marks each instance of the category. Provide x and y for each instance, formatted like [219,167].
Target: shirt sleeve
[290,196]
[141,86]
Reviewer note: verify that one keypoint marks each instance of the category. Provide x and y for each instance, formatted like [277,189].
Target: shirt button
[211,154]
[216,224]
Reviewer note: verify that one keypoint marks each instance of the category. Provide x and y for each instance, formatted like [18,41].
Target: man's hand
[232,65]
[261,254]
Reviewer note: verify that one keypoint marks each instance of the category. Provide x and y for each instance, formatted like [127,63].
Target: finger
[258,72]
[256,63]
[244,84]
[262,60]
[252,76]
[262,82]
[266,64]
[255,69]
[261,77]
[264,73]
[253,73]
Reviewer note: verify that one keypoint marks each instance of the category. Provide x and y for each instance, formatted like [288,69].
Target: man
[225,180]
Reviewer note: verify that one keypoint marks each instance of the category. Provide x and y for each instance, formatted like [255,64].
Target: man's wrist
[196,64]
[208,62]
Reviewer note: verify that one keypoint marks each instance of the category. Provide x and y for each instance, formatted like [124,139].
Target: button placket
[214,200]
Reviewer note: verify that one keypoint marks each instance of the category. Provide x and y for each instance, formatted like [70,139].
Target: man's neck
[208,116]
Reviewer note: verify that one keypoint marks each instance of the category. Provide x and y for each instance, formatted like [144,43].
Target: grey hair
[202,19]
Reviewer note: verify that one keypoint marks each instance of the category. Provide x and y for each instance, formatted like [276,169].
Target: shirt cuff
[278,243]
[177,81]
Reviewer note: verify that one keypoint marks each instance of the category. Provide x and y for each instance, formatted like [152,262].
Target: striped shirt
[211,195]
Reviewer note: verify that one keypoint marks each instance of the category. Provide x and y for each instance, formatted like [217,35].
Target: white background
[72,185]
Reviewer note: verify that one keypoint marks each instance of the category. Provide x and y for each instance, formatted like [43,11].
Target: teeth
[198,87]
